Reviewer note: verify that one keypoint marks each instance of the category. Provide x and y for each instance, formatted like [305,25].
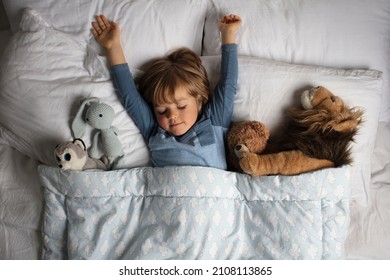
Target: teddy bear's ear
[80,143]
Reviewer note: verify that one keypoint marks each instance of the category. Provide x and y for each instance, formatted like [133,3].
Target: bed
[50,62]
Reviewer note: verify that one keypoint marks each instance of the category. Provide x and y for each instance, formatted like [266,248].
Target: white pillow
[266,88]
[334,33]
[149,29]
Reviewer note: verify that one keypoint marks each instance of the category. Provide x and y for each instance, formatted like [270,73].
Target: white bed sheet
[21,198]
[21,202]
[369,231]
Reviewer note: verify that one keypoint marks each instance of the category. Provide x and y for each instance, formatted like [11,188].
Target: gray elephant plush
[100,116]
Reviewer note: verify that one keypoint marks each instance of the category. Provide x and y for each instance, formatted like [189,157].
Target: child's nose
[172,114]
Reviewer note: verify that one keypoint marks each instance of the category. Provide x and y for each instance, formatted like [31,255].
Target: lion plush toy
[318,135]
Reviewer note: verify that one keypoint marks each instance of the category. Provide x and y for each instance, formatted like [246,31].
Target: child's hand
[228,25]
[106,33]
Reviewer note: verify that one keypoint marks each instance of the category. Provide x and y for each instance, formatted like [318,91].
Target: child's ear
[199,106]
[200,102]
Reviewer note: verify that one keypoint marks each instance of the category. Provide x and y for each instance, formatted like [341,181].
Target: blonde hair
[180,68]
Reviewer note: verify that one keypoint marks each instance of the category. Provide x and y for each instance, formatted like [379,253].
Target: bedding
[21,204]
[52,62]
[265,89]
[193,213]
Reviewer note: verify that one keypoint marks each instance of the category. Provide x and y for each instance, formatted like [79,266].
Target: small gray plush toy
[72,155]
[100,116]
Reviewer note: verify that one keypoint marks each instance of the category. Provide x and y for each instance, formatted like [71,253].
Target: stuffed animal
[318,135]
[72,155]
[99,116]
[252,134]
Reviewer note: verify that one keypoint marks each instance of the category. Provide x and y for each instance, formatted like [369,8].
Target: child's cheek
[162,121]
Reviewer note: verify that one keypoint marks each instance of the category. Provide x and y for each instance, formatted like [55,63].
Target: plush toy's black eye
[101,115]
[67,157]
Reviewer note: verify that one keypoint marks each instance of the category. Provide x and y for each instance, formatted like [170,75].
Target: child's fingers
[224,19]
[95,34]
[114,25]
[100,25]
[103,25]
[235,18]
[103,22]
[100,21]
[96,28]
[230,19]
[106,23]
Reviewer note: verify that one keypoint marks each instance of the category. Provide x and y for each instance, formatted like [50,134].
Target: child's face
[178,116]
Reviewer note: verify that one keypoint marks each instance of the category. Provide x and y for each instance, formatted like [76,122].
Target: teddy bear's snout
[241,150]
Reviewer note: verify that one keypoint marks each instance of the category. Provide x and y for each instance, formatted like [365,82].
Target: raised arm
[221,105]
[108,35]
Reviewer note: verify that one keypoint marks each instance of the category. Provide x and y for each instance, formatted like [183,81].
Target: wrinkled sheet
[21,203]
[369,230]
[194,213]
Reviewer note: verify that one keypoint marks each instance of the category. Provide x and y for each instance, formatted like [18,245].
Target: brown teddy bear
[318,135]
[252,134]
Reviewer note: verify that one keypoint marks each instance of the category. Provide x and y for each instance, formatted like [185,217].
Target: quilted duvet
[193,213]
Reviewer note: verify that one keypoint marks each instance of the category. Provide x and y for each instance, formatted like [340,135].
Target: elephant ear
[79,123]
